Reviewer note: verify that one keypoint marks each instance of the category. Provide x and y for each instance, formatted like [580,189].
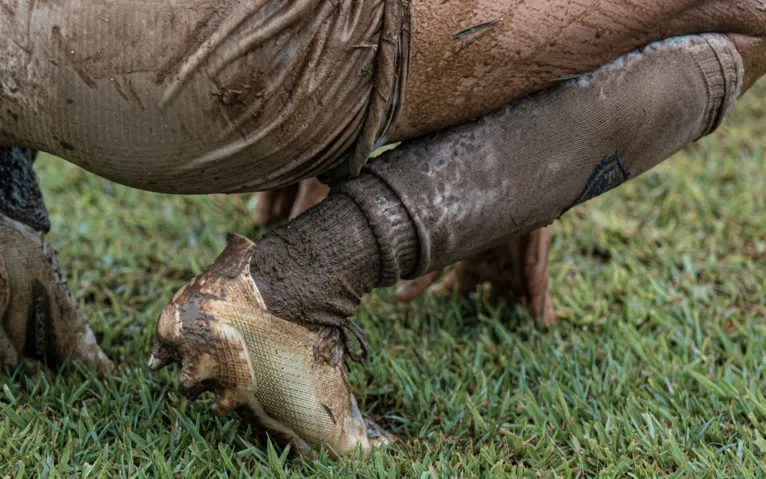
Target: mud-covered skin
[534,159]
[290,379]
[753,51]
[430,178]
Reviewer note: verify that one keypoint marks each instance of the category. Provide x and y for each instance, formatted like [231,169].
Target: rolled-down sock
[441,198]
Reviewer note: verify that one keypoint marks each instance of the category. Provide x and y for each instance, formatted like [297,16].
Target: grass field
[656,370]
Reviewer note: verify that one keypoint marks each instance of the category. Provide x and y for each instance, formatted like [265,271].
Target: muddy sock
[315,269]
[20,196]
[472,187]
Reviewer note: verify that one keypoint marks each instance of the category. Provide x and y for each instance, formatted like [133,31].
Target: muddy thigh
[473,56]
[201,96]
[192,96]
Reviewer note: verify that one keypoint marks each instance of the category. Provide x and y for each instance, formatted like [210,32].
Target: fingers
[289,202]
[274,204]
[460,279]
[536,276]
[283,202]
[262,214]
[414,288]
[544,311]
[451,281]
[310,193]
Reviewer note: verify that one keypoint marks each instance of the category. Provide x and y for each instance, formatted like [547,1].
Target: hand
[517,271]
[289,202]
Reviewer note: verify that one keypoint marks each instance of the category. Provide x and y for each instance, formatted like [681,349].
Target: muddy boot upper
[39,320]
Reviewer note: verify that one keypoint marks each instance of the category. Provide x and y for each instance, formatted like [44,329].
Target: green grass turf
[656,369]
